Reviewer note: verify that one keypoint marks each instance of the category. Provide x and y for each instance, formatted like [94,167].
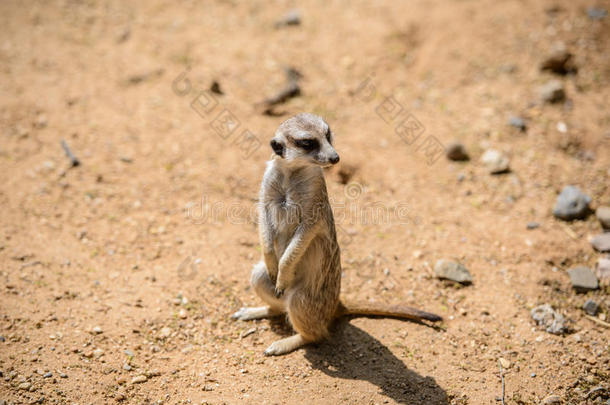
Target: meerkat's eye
[308,144]
[328,135]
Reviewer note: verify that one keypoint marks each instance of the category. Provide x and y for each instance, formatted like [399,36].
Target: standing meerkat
[300,273]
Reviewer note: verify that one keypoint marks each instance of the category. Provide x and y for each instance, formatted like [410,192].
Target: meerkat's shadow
[352,353]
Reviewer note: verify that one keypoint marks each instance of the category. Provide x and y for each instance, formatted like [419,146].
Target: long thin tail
[391,311]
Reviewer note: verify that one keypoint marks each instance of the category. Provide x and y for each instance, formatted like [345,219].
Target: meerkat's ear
[278,147]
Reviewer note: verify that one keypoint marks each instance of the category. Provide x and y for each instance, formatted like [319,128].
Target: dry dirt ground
[118,277]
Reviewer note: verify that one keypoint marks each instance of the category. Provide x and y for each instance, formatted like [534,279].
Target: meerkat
[300,271]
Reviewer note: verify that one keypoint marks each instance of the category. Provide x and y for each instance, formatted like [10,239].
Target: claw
[279,292]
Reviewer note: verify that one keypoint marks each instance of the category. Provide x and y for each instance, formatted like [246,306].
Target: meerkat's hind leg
[286,345]
[251,313]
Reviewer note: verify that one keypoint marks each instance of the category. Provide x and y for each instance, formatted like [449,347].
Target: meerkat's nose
[334,159]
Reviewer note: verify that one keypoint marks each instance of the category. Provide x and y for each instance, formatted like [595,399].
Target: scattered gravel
[571,204]
[449,270]
[547,317]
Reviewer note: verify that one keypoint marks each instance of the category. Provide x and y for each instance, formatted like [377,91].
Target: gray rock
[517,122]
[547,317]
[591,307]
[448,270]
[47,375]
[495,161]
[457,151]
[552,92]
[293,17]
[597,13]
[603,215]
[571,204]
[583,279]
[601,242]
[532,225]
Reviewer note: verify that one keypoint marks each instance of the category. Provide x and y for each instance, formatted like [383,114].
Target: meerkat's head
[305,139]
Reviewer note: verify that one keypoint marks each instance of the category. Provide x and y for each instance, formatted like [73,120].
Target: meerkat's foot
[248,314]
[286,345]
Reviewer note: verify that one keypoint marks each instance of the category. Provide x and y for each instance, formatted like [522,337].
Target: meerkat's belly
[286,217]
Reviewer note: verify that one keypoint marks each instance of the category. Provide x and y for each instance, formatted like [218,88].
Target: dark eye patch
[307,144]
[328,135]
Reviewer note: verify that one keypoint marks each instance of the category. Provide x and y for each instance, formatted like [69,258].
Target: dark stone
[591,307]
[457,151]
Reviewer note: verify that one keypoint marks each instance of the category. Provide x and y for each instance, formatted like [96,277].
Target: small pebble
[62,375]
[518,123]
[97,353]
[165,332]
[532,225]
[456,151]
[591,307]
[47,375]
[126,367]
[583,279]
[293,17]
[25,386]
[571,204]
[597,13]
[96,330]
[183,314]
[552,92]
[602,270]
[454,271]
[603,215]
[601,242]
[139,379]
[559,61]
[495,161]
[505,363]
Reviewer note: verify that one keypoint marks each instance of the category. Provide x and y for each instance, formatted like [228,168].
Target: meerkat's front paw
[279,292]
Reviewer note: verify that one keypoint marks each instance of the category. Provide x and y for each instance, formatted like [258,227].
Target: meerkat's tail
[390,311]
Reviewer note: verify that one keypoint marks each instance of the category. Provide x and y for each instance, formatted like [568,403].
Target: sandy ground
[118,276]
